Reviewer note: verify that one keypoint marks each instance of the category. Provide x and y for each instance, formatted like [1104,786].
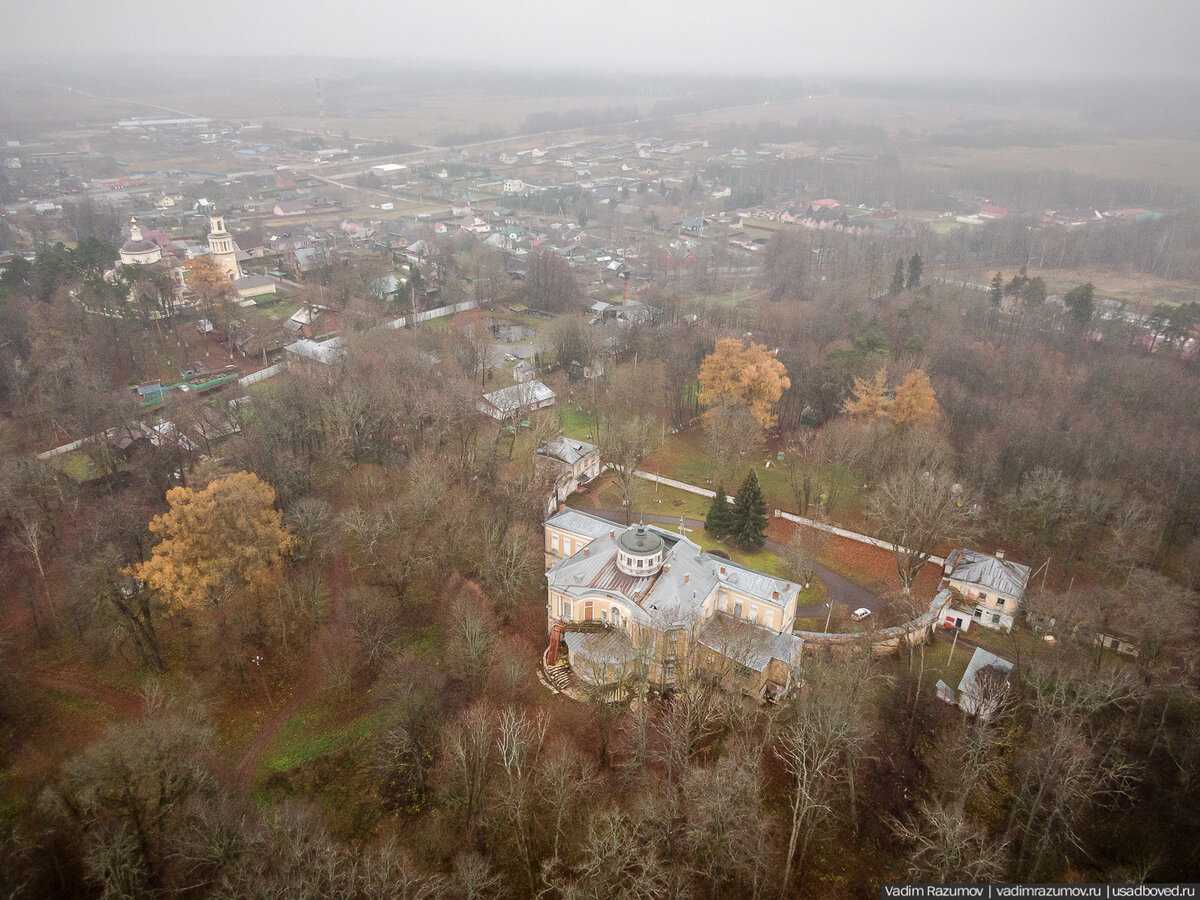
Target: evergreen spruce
[750,513]
[898,278]
[915,267]
[719,521]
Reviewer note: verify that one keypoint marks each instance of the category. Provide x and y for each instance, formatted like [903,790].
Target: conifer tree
[750,513]
[996,290]
[897,278]
[719,521]
[915,267]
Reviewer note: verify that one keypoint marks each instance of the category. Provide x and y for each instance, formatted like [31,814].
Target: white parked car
[859,614]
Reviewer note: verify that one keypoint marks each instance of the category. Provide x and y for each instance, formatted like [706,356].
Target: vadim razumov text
[998,891]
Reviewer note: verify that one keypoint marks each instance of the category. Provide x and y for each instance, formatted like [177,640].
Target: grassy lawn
[731,298]
[307,737]
[660,500]
[682,457]
[940,663]
[576,423]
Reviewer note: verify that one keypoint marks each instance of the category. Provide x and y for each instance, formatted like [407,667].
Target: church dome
[137,250]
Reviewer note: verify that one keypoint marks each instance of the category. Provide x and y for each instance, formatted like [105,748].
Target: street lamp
[258,660]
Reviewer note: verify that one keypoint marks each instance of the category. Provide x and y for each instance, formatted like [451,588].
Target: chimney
[667,568]
[788,586]
[686,578]
[774,595]
[585,551]
[612,534]
[1000,555]
[722,570]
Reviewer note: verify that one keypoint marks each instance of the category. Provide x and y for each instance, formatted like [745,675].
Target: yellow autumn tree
[869,399]
[743,372]
[215,539]
[208,281]
[915,402]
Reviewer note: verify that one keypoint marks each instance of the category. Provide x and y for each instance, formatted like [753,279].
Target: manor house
[635,602]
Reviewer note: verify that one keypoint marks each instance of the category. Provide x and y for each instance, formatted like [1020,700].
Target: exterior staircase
[560,676]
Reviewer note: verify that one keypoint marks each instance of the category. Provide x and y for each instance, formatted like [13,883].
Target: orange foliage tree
[213,540]
[869,399]
[913,402]
[743,372]
[207,280]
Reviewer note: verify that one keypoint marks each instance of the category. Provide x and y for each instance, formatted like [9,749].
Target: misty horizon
[931,39]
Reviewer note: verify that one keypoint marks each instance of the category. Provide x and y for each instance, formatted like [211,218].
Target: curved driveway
[838,588]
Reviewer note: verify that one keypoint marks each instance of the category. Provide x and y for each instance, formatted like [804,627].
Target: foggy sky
[900,38]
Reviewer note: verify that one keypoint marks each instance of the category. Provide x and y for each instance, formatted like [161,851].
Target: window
[753,613]
[995,619]
[566,608]
[553,543]
[737,609]
[982,595]
[604,616]
[978,612]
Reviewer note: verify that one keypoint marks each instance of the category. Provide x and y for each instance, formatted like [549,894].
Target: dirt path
[127,705]
[308,680]
[597,491]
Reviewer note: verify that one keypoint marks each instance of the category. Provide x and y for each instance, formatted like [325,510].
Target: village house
[640,602]
[523,371]
[993,584]
[517,400]
[572,464]
[982,687]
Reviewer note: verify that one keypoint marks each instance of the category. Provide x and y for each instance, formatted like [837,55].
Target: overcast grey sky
[904,38]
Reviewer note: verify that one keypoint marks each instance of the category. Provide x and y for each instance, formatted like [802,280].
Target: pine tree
[996,291]
[719,521]
[915,267]
[898,278]
[750,513]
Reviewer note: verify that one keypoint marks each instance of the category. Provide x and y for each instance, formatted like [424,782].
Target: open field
[1135,288]
[1165,161]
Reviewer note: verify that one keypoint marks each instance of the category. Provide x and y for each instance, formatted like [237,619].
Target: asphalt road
[838,588]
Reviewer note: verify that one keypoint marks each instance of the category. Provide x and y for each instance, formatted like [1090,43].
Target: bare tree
[469,751]
[625,443]
[1071,761]
[621,861]
[727,827]
[732,436]
[944,846]
[802,551]
[474,630]
[566,780]
[914,511]
[519,742]
[811,736]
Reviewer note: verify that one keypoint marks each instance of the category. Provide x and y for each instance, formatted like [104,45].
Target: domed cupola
[640,552]
[137,250]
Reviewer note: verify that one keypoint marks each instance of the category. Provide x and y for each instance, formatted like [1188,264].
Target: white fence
[852,535]
[262,374]
[433,314]
[780,514]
